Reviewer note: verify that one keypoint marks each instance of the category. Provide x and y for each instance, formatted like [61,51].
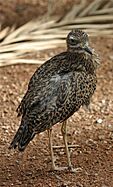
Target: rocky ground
[92,132]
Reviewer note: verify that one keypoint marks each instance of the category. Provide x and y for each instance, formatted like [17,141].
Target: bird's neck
[82,60]
[75,50]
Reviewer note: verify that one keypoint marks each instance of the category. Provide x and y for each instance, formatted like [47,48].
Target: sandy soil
[92,132]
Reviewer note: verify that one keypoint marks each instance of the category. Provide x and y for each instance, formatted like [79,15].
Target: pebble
[61,152]
[99,121]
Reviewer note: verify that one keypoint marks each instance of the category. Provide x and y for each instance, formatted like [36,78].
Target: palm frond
[37,35]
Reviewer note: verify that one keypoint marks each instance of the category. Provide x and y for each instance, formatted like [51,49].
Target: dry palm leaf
[38,35]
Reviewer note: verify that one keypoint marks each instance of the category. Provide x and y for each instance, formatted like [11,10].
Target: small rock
[101,137]
[79,184]
[64,185]
[99,121]
[61,152]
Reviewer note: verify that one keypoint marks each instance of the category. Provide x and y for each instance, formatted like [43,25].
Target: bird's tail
[22,138]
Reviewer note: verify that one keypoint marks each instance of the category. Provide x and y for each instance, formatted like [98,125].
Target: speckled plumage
[57,89]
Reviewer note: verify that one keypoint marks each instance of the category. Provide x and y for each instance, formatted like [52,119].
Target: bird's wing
[42,109]
[51,93]
[39,82]
[45,108]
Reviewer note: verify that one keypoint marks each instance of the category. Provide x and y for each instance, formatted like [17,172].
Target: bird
[56,90]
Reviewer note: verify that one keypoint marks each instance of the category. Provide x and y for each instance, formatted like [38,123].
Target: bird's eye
[72,40]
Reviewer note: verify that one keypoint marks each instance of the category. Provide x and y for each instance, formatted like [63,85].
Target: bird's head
[77,40]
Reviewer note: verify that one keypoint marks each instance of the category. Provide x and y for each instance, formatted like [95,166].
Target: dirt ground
[91,132]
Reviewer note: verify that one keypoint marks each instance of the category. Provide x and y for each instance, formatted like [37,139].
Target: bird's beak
[88,49]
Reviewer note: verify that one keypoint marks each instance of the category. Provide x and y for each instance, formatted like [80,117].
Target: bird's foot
[62,146]
[74,170]
[59,168]
[70,168]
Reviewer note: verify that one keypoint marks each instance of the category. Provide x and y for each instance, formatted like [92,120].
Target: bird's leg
[54,167]
[64,134]
[51,148]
